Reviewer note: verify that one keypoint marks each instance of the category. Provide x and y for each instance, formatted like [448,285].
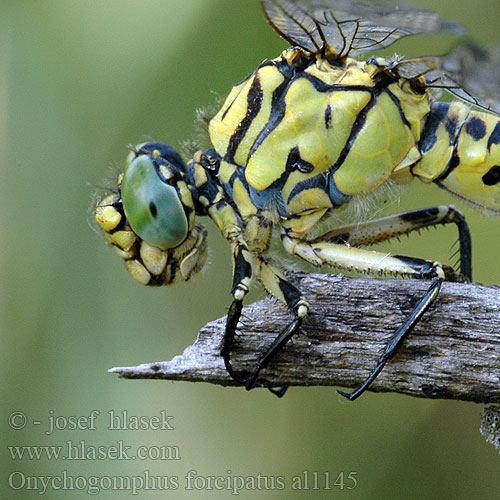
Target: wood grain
[453,353]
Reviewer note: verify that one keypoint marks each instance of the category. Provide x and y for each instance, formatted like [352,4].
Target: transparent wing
[468,72]
[341,27]
[476,72]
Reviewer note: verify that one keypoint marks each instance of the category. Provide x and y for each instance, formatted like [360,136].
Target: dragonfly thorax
[313,134]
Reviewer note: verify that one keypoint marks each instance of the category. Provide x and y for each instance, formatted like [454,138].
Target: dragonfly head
[150,217]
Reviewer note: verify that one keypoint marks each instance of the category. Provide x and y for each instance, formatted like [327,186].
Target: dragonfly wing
[469,72]
[477,74]
[342,27]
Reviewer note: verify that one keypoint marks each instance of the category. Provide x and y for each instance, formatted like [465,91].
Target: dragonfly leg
[277,286]
[242,277]
[368,233]
[282,289]
[397,338]
[320,252]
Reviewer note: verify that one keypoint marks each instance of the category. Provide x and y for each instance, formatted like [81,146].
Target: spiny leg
[282,289]
[397,338]
[368,233]
[242,277]
[277,286]
[349,258]
[229,224]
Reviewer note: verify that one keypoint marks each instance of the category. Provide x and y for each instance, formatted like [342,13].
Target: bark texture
[453,352]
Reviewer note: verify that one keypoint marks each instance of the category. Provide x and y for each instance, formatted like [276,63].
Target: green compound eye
[152,207]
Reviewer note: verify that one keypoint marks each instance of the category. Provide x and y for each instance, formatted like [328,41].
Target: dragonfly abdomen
[460,151]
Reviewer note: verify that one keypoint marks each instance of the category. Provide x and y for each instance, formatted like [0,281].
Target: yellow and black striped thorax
[302,134]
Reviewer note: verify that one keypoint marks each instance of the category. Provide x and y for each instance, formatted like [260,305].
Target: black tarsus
[397,338]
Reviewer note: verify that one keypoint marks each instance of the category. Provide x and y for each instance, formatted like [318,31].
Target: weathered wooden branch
[454,352]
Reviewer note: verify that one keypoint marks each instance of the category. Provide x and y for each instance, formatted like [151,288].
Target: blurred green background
[79,81]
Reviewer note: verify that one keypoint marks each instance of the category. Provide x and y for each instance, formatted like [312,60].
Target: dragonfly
[305,135]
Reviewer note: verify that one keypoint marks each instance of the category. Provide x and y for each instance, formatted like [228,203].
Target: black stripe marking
[328,117]
[423,267]
[465,200]
[451,126]
[278,106]
[356,127]
[321,86]
[254,102]
[242,269]
[476,128]
[290,293]
[236,97]
[453,163]
[172,266]
[418,86]
[397,103]
[226,111]
[434,118]
[416,216]
[322,181]
[319,181]
[494,137]
[492,177]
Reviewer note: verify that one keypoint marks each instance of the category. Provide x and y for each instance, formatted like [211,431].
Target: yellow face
[149,220]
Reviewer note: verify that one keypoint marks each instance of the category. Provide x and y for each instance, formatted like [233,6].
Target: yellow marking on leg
[348,258]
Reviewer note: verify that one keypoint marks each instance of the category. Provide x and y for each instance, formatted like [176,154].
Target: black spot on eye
[492,177]
[476,128]
[153,209]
